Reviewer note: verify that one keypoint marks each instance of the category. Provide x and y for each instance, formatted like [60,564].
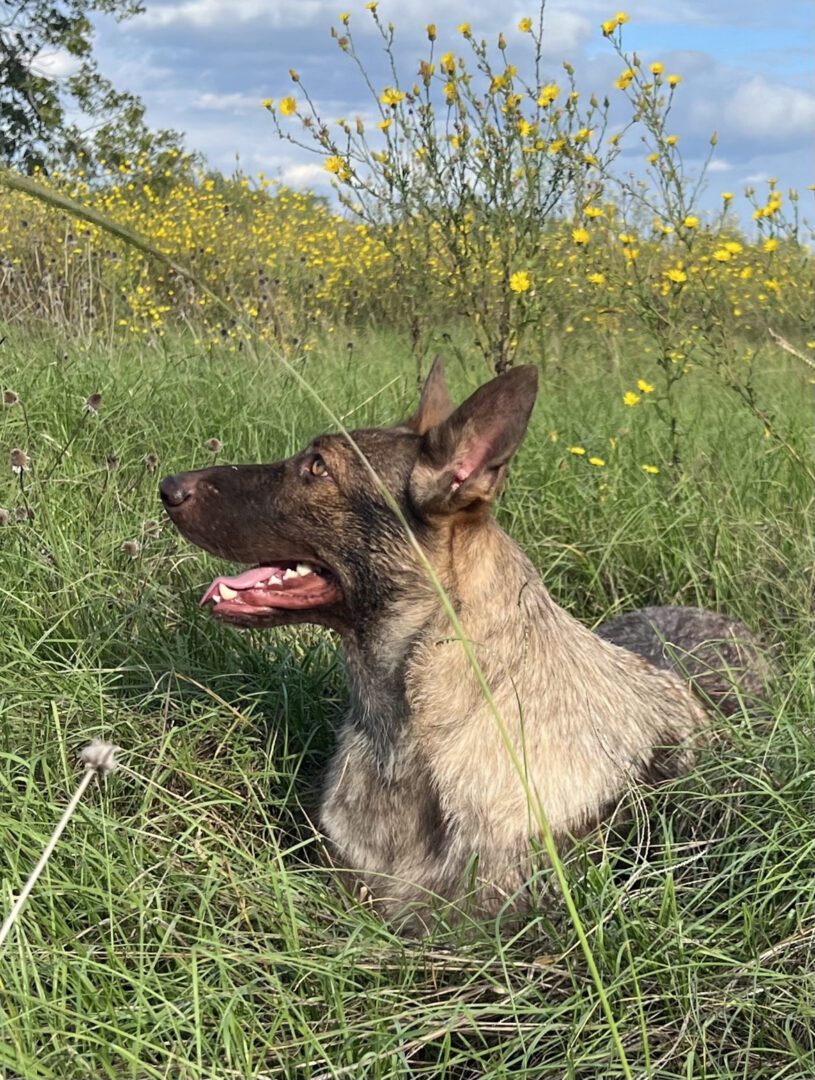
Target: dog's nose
[175,490]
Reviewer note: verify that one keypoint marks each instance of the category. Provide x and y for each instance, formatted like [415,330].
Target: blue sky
[204,65]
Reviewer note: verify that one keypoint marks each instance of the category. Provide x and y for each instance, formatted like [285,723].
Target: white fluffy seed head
[100,756]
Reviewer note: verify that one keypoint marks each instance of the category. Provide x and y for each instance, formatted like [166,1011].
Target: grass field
[186,926]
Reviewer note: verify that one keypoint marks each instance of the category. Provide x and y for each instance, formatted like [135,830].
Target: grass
[187,926]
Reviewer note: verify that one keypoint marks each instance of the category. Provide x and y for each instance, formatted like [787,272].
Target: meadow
[153,321]
[187,925]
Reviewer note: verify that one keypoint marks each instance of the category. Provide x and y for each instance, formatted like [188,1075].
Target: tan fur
[429,798]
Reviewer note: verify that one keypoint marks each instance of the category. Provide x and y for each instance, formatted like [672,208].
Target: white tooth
[274,580]
[226,592]
[303,569]
[289,574]
[216,599]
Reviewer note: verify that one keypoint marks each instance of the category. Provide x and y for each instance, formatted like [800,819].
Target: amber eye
[318,467]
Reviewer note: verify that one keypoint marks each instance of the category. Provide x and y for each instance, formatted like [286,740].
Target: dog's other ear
[463,460]
[435,404]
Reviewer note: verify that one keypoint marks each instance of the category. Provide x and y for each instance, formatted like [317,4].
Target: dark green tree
[80,119]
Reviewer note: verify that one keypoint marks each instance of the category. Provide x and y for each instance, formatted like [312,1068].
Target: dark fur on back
[429,798]
[726,663]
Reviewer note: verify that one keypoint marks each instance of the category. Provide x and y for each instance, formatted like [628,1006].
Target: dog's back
[727,665]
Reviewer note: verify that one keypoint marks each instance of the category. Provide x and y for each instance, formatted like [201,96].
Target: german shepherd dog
[429,796]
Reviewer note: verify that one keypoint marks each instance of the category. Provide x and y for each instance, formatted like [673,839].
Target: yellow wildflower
[621,18]
[334,164]
[548,94]
[465,29]
[344,18]
[525,26]
[672,140]
[520,281]
[652,470]
[383,125]
[677,275]
[722,255]
[657,68]
[391,96]
[770,244]
[579,450]
[727,196]
[288,106]
[598,461]
[691,222]
[597,278]
[580,236]
[644,386]
[674,80]
[631,399]
[734,247]
[267,103]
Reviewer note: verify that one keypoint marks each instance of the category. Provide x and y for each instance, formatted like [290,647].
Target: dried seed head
[23,513]
[5,516]
[112,462]
[131,548]
[19,461]
[151,527]
[100,756]
[10,398]
[213,445]
[151,462]
[93,404]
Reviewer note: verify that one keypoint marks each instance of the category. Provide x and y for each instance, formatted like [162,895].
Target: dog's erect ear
[435,404]
[463,460]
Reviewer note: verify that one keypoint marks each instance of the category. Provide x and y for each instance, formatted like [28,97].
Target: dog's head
[322,537]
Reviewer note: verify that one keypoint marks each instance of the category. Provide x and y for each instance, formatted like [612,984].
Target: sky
[203,66]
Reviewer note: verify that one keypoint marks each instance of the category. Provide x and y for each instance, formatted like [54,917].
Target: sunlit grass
[187,925]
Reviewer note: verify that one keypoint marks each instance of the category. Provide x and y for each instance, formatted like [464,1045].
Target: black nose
[175,490]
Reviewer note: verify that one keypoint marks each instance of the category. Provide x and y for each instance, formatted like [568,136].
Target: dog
[438,791]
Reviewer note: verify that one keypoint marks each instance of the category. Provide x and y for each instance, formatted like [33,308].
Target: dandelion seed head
[131,548]
[93,403]
[20,461]
[100,756]
[10,398]
[213,445]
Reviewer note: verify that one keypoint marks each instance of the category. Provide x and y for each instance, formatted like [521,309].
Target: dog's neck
[482,570]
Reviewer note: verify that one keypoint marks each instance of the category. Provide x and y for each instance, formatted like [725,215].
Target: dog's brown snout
[175,490]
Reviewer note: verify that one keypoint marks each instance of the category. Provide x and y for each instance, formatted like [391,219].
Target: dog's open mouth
[284,585]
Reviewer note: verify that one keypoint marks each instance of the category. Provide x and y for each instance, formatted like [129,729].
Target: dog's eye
[318,467]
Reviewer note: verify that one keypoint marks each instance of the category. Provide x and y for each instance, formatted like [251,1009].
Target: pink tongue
[249,577]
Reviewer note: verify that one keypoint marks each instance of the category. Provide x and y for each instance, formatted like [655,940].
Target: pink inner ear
[476,455]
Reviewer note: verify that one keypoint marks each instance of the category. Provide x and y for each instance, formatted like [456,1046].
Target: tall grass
[187,924]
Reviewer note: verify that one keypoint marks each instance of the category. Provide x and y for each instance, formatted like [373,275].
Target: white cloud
[58,64]
[234,103]
[719,165]
[770,111]
[307,175]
